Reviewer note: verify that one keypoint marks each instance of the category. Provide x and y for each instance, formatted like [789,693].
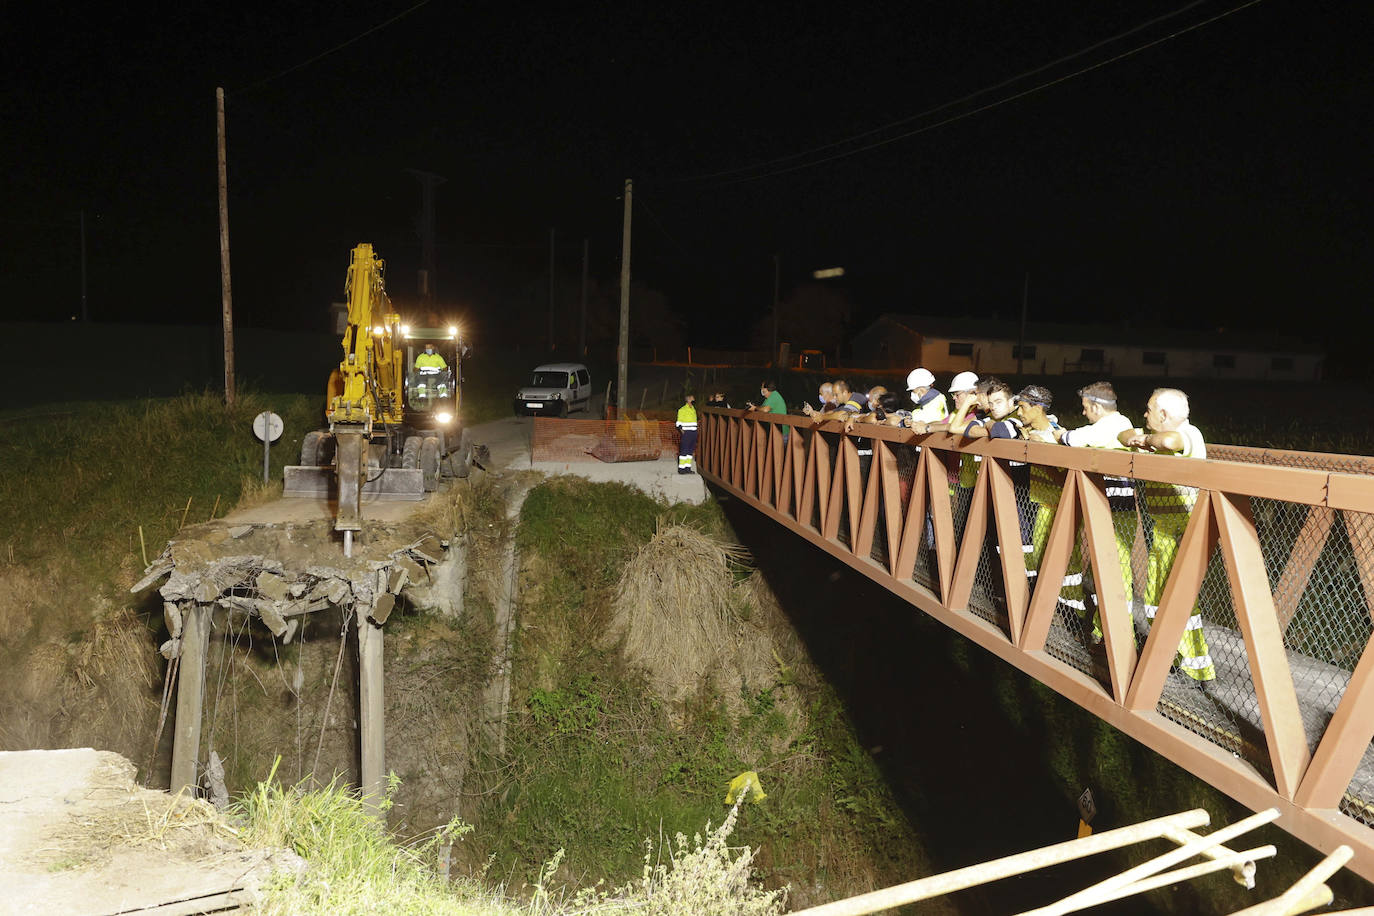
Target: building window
[1092,356]
[1028,354]
[1223,361]
[960,349]
[1281,364]
[1152,357]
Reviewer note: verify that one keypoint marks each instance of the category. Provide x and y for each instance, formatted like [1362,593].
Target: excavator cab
[433,378]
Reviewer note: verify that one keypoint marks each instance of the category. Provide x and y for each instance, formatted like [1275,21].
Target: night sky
[1214,179]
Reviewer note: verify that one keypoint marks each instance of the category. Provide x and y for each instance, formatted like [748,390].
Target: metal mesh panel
[906,457]
[1358,801]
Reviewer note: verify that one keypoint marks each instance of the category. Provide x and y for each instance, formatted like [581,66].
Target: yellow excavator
[394,416]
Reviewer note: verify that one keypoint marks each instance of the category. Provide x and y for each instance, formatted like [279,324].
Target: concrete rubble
[280,572]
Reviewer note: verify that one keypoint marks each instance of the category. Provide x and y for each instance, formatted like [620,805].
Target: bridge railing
[1220,611]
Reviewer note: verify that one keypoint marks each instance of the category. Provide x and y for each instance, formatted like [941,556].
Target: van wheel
[563,409]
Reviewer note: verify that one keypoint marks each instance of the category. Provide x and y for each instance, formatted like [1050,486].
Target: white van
[555,389]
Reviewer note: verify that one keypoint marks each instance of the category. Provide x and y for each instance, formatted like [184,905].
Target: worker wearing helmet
[929,403]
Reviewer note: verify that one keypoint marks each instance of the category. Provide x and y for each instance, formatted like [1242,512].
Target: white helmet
[919,378]
[964,381]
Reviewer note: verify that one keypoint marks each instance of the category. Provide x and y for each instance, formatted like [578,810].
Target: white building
[943,344]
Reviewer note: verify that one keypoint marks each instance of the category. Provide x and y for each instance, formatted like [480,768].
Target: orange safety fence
[639,439]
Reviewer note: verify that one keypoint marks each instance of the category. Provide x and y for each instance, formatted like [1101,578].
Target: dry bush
[255,492]
[675,606]
[20,592]
[107,698]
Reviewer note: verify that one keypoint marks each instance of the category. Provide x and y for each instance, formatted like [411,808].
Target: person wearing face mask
[928,404]
[825,396]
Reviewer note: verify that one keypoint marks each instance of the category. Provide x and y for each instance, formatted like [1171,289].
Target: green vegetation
[596,758]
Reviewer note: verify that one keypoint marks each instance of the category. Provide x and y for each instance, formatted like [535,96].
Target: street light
[827,273]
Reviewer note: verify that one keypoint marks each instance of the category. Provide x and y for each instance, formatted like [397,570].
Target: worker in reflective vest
[687,444]
[1046,483]
[1104,428]
[1168,432]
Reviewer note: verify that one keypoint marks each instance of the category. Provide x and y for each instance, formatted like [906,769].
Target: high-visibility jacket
[1169,498]
[931,408]
[686,417]
[430,361]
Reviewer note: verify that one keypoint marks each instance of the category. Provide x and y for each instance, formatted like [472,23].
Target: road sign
[267,426]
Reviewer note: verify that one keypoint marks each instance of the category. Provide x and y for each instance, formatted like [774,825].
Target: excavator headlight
[443,416]
[378,331]
[405,330]
[453,330]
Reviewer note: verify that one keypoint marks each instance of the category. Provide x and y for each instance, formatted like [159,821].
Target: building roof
[1122,334]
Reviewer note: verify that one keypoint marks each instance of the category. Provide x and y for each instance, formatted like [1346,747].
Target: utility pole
[553,237]
[623,378]
[428,287]
[226,293]
[582,324]
[1025,304]
[777,270]
[85,313]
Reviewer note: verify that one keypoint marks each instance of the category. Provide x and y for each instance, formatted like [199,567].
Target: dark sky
[1218,178]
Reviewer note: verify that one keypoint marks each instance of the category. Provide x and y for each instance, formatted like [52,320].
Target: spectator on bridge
[963,389]
[1168,432]
[929,404]
[1045,482]
[825,395]
[687,427]
[718,400]
[1001,421]
[772,401]
[1105,426]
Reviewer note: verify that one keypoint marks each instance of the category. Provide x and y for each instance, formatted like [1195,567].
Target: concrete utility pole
[624,377]
[371,712]
[582,323]
[195,639]
[226,294]
[427,281]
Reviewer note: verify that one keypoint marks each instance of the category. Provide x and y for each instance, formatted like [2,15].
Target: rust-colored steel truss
[882,521]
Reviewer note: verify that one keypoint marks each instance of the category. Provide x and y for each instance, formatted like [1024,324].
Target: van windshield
[550,380]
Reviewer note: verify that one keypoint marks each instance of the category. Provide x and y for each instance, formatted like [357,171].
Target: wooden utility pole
[624,355]
[195,639]
[553,235]
[582,323]
[226,294]
[1025,304]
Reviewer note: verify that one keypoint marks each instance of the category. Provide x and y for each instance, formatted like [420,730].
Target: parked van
[555,389]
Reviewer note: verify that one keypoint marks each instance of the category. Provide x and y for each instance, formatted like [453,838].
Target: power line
[959,117]
[337,47]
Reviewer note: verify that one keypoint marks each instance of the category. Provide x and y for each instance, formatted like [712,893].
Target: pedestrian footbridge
[1231,635]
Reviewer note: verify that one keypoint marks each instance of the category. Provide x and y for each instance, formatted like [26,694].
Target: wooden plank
[971,548]
[806,500]
[751,457]
[1294,485]
[1344,742]
[1175,606]
[845,454]
[1053,565]
[1002,495]
[1302,559]
[1113,609]
[777,461]
[1259,623]
[1350,491]
[853,485]
[892,502]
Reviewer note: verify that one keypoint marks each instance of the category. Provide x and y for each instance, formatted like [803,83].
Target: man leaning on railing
[1168,432]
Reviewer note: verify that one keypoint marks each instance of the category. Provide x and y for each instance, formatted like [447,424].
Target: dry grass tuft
[255,492]
[675,605]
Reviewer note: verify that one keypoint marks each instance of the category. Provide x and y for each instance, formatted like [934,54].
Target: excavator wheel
[310,448]
[429,463]
[410,454]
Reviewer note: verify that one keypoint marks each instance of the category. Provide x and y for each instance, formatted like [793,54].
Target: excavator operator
[431,367]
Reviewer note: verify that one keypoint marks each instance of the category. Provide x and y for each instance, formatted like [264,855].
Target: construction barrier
[639,439]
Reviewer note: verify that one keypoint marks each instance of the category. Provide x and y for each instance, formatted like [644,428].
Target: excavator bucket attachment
[357,486]
[352,469]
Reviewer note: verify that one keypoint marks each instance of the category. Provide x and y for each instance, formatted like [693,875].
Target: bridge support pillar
[195,640]
[371,713]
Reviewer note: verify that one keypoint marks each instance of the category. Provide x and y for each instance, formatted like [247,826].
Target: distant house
[944,344]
